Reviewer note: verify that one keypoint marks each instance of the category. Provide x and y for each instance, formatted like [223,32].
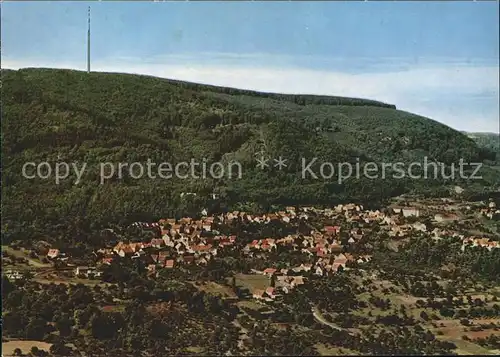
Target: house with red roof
[169,264]
[331,230]
[53,253]
[107,260]
[157,243]
[271,292]
[269,271]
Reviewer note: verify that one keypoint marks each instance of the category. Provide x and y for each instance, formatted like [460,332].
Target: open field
[325,350]
[467,348]
[21,253]
[249,304]
[252,281]
[25,346]
[113,308]
[481,334]
[453,329]
[194,349]
[88,282]
[215,288]
[447,329]
[64,276]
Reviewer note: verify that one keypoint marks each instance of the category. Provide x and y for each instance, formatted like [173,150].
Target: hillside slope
[71,116]
[489,141]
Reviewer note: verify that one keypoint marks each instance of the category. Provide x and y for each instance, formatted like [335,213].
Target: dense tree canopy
[75,117]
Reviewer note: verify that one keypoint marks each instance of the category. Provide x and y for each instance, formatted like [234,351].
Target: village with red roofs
[263,267]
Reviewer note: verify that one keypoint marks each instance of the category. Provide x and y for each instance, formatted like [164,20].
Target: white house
[14,275]
[318,271]
[87,271]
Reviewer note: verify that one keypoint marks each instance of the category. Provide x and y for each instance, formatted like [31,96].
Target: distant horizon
[480,132]
[438,60]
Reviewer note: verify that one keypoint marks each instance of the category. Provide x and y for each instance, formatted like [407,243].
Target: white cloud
[418,88]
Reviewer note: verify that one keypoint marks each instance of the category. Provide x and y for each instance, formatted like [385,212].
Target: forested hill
[71,116]
[489,141]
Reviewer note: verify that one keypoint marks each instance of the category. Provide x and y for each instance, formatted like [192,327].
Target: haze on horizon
[436,59]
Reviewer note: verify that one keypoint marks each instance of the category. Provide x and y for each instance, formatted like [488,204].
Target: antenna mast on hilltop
[88,43]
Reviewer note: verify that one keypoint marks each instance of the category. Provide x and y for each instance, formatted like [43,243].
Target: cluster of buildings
[491,211]
[195,242]
[188,241]
[14,275]
[285,280]
[479,242]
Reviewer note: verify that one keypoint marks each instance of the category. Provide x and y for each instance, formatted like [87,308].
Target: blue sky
[438,59]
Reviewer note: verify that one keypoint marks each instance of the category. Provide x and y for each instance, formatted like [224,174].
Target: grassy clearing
[75,281]
[453,331]
[21,253]
[481,334]
[328,350]
[252,281]
[194,349]
[215,288]
[448,329]
[25,346]
[113,308]
[249,304]
[466,347]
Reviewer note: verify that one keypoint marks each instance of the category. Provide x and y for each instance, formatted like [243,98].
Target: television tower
[88,43]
